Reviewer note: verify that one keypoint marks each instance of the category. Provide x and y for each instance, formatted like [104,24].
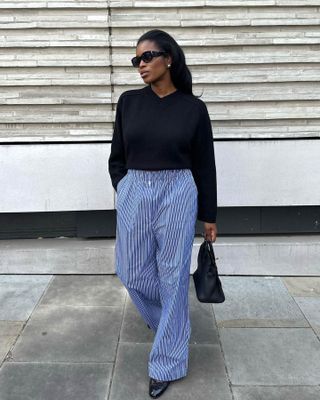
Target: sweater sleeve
[117,158]
[204,168]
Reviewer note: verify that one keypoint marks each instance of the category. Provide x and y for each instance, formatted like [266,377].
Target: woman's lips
[143,74]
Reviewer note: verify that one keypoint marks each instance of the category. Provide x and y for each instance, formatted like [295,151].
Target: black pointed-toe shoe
[156,388]
[149,326]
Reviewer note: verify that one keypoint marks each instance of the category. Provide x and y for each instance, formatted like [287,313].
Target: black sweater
[170,132]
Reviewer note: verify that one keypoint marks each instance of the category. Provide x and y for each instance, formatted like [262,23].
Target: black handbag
[206,279]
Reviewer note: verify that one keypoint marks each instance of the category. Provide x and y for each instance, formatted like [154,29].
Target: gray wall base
[294,255]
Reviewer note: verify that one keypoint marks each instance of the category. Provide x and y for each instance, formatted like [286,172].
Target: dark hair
[180,74]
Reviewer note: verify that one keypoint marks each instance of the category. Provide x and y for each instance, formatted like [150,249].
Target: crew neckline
[148,87]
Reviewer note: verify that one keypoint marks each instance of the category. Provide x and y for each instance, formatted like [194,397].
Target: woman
[162,167]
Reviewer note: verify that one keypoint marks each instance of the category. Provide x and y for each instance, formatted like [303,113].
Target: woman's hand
[210,231]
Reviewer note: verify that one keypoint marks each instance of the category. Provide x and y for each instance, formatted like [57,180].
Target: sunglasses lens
[135,61]
[147,56]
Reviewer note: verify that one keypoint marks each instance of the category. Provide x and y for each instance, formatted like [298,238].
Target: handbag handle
[211,254]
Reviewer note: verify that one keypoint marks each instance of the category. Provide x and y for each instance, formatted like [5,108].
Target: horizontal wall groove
[156,5]
[108,141]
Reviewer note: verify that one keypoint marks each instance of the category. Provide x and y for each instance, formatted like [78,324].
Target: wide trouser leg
[174,226]
[156,216]
[135,249]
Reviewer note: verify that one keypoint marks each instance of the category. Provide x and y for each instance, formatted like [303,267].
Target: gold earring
[169,65]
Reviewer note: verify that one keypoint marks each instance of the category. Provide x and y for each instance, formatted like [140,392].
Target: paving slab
[11,328]
[9,331]
[24,381]
[130,378]
[70,334]
[206,377]
[86,290]
[310,307]
[19,294]
[304,286]
[257,302]
[134,329]
[276,392]
[6,343]
[203,326]
[271,356]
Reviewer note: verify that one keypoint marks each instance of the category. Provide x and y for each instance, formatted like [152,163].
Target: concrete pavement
[79,337]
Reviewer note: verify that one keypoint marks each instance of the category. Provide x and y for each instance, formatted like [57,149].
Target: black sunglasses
[147,56]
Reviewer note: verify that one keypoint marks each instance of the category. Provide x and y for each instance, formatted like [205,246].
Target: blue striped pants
[156,216]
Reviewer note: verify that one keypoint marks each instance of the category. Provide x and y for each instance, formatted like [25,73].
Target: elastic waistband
[163,174]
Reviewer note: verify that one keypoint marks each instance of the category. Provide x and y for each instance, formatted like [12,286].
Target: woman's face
[155,70]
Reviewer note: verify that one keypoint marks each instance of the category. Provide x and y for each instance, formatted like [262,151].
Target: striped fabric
[156,216]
